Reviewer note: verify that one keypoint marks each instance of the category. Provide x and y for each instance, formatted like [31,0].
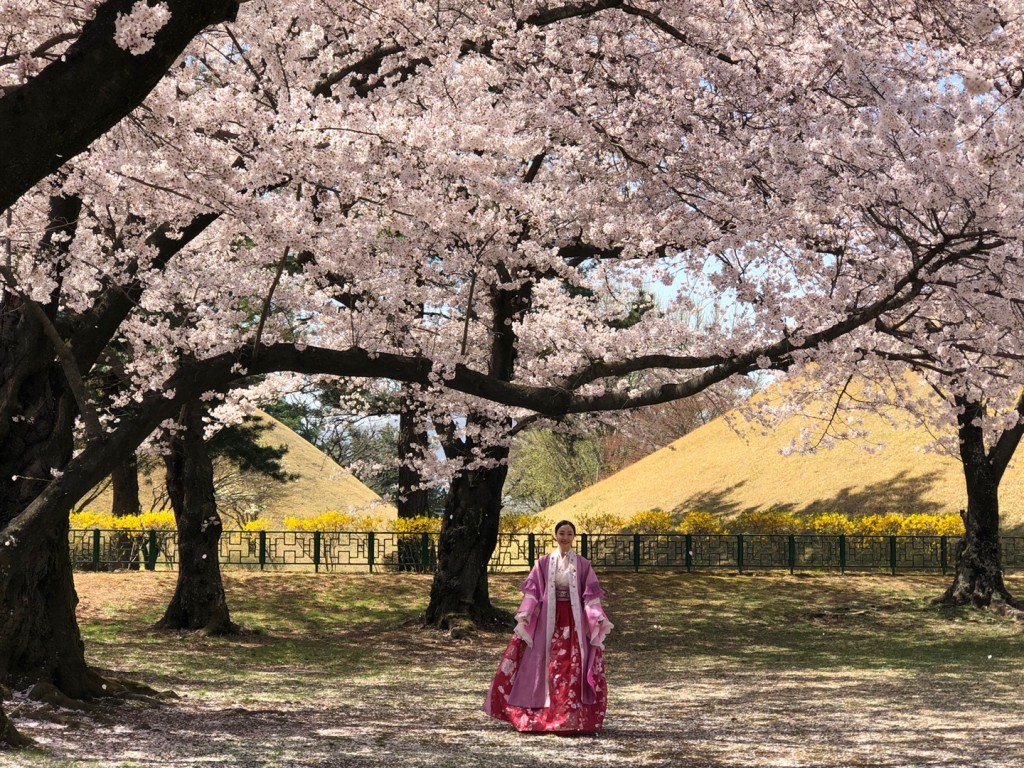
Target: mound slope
[322,484]
[727,470]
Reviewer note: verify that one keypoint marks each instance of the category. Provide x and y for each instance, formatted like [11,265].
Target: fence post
[263,549]
[689,552]
[583,545]
[369,550]
[425,552]
[151,552]
[842,553]
[739,552]
[943,558]
[96,549]
[791,554]
[892,554]
[531,548]
[636,552]
[316,551]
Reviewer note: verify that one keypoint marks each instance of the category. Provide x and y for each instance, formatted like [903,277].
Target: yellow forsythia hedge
[155,520]
[650,521]
[776,522]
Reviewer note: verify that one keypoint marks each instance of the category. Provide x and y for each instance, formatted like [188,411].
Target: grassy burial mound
[318,485]
[730,466]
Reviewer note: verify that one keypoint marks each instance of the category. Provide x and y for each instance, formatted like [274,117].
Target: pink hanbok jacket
[530,688]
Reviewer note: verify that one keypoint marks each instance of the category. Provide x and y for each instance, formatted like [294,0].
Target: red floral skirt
[566,713]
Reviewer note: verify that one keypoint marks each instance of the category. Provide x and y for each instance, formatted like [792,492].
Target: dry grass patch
[704,671]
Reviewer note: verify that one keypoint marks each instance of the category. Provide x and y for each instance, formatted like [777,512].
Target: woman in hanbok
[551,676]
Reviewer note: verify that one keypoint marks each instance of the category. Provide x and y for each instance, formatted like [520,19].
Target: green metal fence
[353,552]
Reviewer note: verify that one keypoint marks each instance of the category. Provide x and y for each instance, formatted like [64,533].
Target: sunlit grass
[704,670]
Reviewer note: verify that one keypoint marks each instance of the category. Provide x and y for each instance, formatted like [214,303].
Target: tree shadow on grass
[902,493]
[705,670]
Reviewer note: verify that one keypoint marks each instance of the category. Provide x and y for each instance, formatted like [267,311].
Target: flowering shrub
[832,523]
[421,524]
[931,525]
[652,521]
[159,520]
[333,520]
[522,523]
[766,521]
[879,525]
[602,522]
[699,522]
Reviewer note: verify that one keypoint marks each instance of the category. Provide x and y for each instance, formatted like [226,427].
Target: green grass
[704,670]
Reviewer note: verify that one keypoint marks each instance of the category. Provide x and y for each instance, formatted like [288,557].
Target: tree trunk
[199,601]
[978,579]
[39,637]
[124,482]
[469,535]
[413,501]
[469,530]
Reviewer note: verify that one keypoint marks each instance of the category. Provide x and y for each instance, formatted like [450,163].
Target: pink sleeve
[597,619]
[532,592]
[598,622]
[592,587]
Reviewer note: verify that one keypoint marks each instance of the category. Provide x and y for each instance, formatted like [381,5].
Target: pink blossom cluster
[415,179]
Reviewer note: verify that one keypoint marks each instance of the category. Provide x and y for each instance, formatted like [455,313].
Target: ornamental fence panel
[387,552]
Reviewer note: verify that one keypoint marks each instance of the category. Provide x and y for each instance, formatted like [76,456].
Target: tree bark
[413,501]
[77,98]
[199,602]
[469,535]
[124,482]
[39,638]
[978,579]
[469,530]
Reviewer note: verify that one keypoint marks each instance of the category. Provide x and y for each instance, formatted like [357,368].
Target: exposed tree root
[45,701]
[218,625]
[463,625]
[994,598]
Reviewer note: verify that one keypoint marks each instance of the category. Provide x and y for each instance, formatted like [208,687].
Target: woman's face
[564,536]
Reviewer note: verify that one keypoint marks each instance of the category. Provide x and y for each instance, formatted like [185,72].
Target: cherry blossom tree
[362,175]
[951,359]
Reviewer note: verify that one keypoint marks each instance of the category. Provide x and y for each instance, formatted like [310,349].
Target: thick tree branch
[64,354]
[265,312]
[1001,453]
[80,96]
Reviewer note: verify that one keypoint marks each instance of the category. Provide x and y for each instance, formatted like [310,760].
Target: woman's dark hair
[560,523]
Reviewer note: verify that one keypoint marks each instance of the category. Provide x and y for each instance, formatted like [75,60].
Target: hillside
[321,485]
[726,471]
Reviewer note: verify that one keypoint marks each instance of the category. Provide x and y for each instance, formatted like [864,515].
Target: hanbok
[551,677]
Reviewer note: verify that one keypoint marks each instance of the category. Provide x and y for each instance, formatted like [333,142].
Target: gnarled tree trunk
[199,601]
[39,637]
[469,530]
[469,535]
[978,579]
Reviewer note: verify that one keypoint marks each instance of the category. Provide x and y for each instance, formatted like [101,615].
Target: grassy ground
[704,670]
